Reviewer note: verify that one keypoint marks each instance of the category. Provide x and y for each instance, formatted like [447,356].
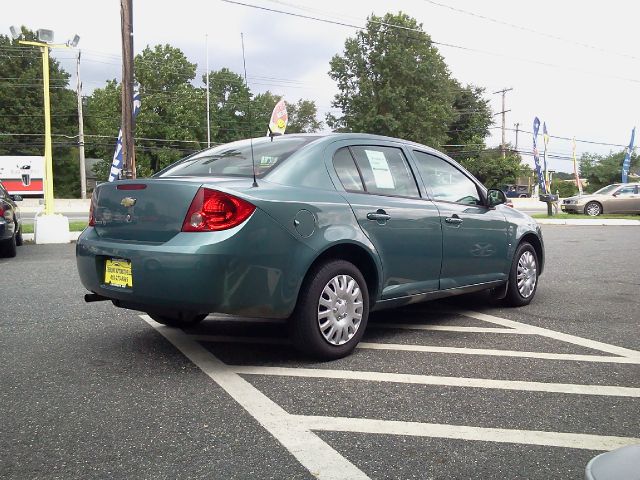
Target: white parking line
[497,353]
[461,432]
[448,328]
[312,452]
[429,349]
[564,337]
[569,388]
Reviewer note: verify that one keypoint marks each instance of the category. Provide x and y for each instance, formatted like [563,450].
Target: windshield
[234,159]
[606,190]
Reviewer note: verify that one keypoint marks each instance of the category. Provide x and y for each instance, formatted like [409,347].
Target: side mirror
[495,197]
[16,198]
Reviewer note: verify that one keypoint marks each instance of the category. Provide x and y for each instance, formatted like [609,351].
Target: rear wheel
[182,319]
[8,247]
[593,209]
[523,277]
[332,311]
[19,240]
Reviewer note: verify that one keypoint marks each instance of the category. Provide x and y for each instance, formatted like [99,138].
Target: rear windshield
[234,159]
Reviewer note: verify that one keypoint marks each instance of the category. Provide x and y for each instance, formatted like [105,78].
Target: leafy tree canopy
[494,171]
[603,170]
[393,81]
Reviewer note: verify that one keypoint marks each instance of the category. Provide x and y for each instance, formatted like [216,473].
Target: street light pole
[48,155]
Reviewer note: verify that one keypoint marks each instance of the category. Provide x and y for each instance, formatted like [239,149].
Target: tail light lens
[212,210]
[92,218]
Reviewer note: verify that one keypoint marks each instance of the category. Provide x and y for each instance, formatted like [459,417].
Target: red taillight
[92,219]
[132,186]
[212,210]
[1,211]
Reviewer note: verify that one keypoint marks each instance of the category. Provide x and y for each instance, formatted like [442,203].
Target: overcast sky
[576,65]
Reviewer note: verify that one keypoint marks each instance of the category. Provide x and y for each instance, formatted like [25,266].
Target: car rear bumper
[255,269]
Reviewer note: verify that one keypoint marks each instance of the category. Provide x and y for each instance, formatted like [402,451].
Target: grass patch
[76,226]
[575,216]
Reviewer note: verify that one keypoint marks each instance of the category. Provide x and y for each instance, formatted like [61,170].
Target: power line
[443,44]
[530,30]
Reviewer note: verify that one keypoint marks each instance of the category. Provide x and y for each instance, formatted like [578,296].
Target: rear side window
[385,171]
[347,171]
[235,159]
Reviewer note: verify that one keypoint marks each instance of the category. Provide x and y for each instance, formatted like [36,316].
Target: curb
[30,237]
[588,222]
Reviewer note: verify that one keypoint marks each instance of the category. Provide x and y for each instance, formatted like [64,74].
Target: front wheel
[332,311]
[523,276]
[593,209]
[181,320]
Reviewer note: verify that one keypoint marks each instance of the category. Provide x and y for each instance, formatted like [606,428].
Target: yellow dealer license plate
[117,272]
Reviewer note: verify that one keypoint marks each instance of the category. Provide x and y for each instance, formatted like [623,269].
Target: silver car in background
[616,198]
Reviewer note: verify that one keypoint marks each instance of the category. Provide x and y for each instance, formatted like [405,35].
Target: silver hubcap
[593,209]
[527,274]
[340,309]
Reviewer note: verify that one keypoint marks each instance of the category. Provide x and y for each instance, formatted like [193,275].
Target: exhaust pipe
[94,297]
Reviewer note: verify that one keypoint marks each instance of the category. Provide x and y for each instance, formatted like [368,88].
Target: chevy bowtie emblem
[128,202]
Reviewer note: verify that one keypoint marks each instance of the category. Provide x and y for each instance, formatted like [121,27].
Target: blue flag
[116,164]
[536,155]
[626,164]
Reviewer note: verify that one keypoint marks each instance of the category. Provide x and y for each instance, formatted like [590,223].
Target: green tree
[494,171]
[392,81]
[171,122]
[471,125]
[603,170]
[303,117]
[565,188]
[22,114]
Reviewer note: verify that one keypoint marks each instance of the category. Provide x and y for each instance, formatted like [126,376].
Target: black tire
[8,247]
[515,296]
[181,320]
[305,328]
[19,240]
[593,209]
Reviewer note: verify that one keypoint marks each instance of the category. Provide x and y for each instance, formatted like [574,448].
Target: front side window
[446,182]
[235,159]
[624,191]
[385,171]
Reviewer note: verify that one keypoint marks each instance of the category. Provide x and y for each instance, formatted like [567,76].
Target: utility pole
[503,112]
[207,78]
[83,173]
[128,148]
[517,125]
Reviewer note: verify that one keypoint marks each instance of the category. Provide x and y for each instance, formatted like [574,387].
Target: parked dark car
[516,191]
[332,227]
[10,226]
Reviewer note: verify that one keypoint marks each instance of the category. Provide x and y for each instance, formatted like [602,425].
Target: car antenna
[244,64]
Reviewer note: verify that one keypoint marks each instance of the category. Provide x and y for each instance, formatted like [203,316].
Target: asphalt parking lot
[449,389]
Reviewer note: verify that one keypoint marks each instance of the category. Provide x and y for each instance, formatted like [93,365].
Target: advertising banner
[22,175]
[626,164]
[279,119]
[536,156]
[116,163]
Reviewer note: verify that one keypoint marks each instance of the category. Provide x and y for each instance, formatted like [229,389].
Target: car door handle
[378,216]
[454,220]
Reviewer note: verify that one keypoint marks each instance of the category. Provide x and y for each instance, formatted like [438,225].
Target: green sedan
[319,229]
